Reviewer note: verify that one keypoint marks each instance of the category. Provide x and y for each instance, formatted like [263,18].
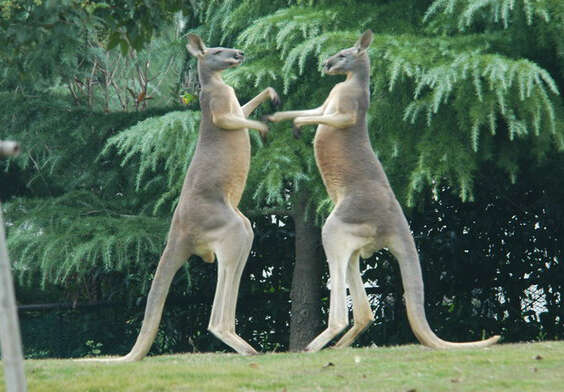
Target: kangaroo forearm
[250,106]
[232,122]
[291,114]
[333,120]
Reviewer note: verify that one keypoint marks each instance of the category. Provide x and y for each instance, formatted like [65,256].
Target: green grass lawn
[508,367]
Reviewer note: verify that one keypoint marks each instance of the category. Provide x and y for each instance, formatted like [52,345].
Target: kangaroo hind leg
[174,256]
[362,312]
[232,251]
[339,244]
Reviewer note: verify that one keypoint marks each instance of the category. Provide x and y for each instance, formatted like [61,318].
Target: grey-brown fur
[206,221]
[367,217]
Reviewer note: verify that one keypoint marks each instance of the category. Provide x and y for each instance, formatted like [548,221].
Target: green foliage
[134,80]
[130,24]
[457,91]
[281,170]
[66,46]
[83,223]
[479,92]
[496,11]
[465,101]
[93,348]
[167,143]
[77,235]
[37,42]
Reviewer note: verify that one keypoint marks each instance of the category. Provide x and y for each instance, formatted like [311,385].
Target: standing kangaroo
[367,217]
[206,221]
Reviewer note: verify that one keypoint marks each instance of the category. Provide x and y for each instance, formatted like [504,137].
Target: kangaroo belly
[352,174]
[345,160]
[331,161]
[220,165]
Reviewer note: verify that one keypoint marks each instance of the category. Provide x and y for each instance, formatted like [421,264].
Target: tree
[59,104]
[464,100]
[458,80]
[448,99]
[68,198]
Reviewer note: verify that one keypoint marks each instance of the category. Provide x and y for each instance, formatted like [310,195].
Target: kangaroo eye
[218,52]
[341,56]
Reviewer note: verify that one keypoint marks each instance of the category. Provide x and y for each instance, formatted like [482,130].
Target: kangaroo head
[350,59]
[213,59]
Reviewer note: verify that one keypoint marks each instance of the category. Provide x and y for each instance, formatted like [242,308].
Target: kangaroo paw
[297,132]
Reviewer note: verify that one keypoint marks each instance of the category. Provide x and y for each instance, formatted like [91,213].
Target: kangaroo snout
[239,55]
[327,65]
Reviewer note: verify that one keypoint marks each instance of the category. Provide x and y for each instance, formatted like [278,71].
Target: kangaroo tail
[403,248]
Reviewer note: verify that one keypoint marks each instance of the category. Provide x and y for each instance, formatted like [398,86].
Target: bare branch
[90,82]
[121,101]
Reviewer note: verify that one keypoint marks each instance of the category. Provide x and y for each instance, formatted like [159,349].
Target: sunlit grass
[510,367]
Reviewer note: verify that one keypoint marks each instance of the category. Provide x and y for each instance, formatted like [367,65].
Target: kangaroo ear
[195,45]
[364,41]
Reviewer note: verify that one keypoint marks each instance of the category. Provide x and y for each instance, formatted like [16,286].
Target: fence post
[10,338]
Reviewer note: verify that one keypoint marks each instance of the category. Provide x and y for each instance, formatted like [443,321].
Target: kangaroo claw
[263,136]
[297,132]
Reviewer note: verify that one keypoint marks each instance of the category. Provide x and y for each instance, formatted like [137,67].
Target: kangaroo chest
[344,156]
[222,159]
[331,155]
[333,146]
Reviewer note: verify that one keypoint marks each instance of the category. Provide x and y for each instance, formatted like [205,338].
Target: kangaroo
[207,222]
[367,217]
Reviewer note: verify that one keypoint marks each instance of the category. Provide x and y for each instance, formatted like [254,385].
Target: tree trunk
[306,281]
[10,339]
